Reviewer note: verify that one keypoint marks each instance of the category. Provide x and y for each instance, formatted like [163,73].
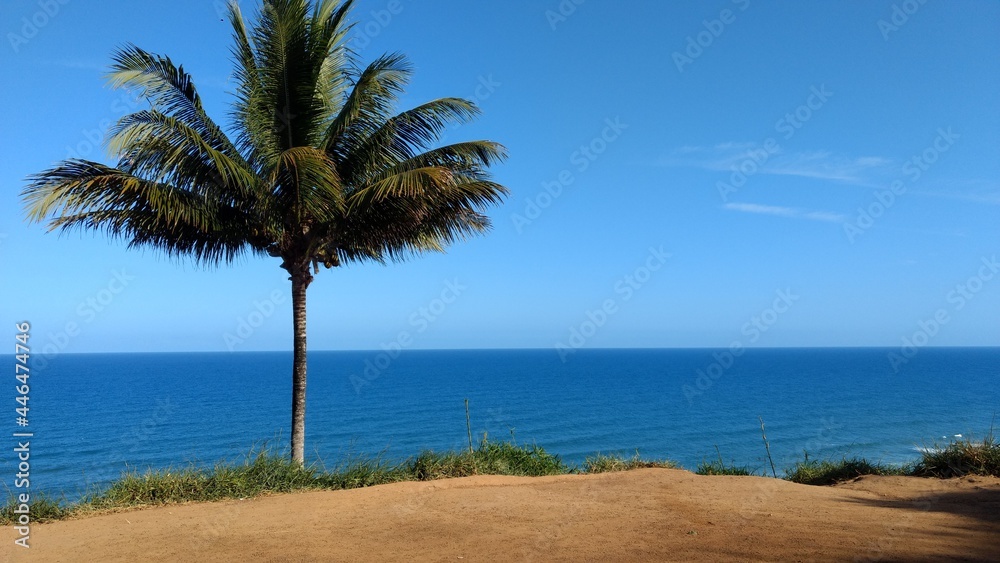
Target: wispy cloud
[989,199]
[819,165]
[719,157]
[968,191]
[823,165]
[791,212]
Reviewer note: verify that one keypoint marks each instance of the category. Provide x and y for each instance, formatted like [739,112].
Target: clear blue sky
[636,115]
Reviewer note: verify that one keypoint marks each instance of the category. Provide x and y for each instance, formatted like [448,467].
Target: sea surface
[95,415]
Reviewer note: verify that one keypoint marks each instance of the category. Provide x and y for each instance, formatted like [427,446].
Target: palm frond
[328,32]
[405,135]
[307,183]
[168,88]
[153,145]
[93,196]
[470,159]
[368,106]
[249,110]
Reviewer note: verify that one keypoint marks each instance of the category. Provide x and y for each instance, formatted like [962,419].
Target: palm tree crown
[321,169]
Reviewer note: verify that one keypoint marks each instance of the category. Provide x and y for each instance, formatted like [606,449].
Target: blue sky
[681,174]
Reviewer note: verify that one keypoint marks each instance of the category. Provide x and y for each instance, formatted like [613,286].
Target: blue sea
[95,415]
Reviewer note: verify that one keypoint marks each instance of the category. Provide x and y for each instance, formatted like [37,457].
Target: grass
[720,468]
[964,457]
[266,472]
[957,459]
[825,472]
[43,509]
[607,463]
[262,473]
[359,473]
[491,458]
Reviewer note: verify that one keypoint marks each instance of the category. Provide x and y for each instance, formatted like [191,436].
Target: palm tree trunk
[300,282]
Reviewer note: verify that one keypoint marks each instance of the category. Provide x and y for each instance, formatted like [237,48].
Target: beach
[641,515]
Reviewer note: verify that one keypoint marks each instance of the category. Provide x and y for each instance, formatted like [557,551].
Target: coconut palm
[320,169]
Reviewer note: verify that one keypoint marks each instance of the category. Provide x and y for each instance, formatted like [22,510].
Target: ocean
[95,415]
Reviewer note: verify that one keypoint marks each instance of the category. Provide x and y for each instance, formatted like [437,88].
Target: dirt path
[646,515]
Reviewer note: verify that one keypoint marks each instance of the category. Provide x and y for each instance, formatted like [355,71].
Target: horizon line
[538,348]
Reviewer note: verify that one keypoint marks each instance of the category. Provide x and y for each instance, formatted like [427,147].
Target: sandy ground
[646,515]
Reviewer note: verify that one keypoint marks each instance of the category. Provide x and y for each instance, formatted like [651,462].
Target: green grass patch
[507,458]
[491,458]
[957,459]
[262,473]
[267,472]
[719,468]
[607,463]
[825,472]
[358,473]
[434,465]
[43,509]
[964,457]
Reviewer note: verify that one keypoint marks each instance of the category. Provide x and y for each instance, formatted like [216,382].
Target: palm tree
[321,170]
